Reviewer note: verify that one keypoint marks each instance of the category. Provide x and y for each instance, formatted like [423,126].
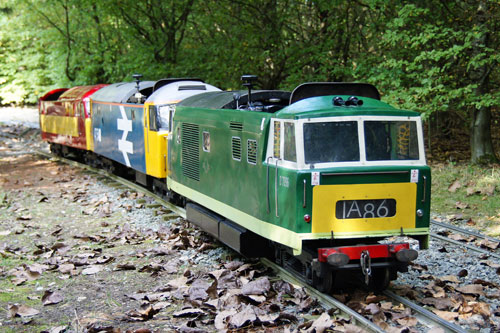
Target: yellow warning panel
[358,208]
[59,125]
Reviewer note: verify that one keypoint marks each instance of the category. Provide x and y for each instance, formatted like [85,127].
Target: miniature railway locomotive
[322,174]
[316,179]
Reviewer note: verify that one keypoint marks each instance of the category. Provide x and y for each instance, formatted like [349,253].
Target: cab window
[289,153]
[331,142]
[391,140]
[277,140]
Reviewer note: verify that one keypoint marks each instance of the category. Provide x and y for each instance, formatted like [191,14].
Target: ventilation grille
[252,151]
[191,151]
[236,148]
[236,125]
[198,87]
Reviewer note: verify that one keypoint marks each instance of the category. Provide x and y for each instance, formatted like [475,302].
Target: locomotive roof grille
[198,87]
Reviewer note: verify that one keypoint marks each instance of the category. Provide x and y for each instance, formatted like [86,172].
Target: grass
[472,200]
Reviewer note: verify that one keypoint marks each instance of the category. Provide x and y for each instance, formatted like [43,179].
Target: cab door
[156,131]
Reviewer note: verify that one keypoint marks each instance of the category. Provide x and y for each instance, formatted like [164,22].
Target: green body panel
[239,186]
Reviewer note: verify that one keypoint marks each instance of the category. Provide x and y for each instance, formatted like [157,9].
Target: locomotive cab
[359,176]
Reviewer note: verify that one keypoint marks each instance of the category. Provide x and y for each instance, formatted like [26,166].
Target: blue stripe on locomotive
[119,133]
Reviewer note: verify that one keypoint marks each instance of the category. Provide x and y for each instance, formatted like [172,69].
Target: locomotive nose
[406,255]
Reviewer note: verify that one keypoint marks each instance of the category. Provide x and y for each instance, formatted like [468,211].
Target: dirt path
[79,253]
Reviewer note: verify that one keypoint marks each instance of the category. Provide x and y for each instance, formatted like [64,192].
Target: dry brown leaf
[243,318]
[22,311]
[449,278]
[66,268]
[51,297]
[438,303]
[446,315]
[407,321]
[191,312]
[58,329]
[321,324]
[461,205]
[198,290]
[471,190]
[460,238]
[125,267]
[179,282]
[482,309]
[489,190]
[257,287]
[454,186]
[91,270]
[472,289]
[487,244]
[221,318]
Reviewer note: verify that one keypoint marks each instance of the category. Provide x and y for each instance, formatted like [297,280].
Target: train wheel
[325,283]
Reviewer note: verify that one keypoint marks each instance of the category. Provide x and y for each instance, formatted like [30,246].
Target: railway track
[426,318]
[463,231]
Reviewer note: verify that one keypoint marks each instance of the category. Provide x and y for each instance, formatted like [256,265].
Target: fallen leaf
[221,318]
[482,309]
[321,324]
[488,190]
[438,303]
[472,289]
[191,312]
[243,318]
[487,244]
[446,315]
[257,287]
[489,263]
[407,321]
[50,297]
[454,186]
[22,311]
[461,205]
[146,312]
[58,329]
[449,278]
[125,267]
[91,270]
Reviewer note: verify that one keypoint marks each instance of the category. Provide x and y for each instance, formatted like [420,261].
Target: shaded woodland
[436,57]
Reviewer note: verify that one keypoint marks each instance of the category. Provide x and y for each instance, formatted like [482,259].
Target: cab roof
[322,106]
[122,92]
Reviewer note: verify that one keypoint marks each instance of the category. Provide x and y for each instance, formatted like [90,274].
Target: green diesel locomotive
[318,179]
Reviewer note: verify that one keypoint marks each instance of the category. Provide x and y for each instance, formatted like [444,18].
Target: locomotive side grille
[236,148]
[191,151]
[252,151]
[236,125]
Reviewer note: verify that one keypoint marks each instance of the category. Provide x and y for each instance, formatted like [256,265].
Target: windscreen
[331,142]
[391,140]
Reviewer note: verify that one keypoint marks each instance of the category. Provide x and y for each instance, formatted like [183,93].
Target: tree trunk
[481,145]
[480,139]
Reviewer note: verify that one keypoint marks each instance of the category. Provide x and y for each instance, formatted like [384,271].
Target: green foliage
[429,56]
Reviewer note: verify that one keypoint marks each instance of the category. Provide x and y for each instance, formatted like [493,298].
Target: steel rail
[426,314]
[465,231]
[324,299]
[470,247]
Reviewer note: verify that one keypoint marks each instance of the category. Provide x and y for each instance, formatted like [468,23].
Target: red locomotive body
[65,116]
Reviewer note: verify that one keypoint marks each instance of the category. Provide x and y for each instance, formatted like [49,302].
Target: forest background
[437,57]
